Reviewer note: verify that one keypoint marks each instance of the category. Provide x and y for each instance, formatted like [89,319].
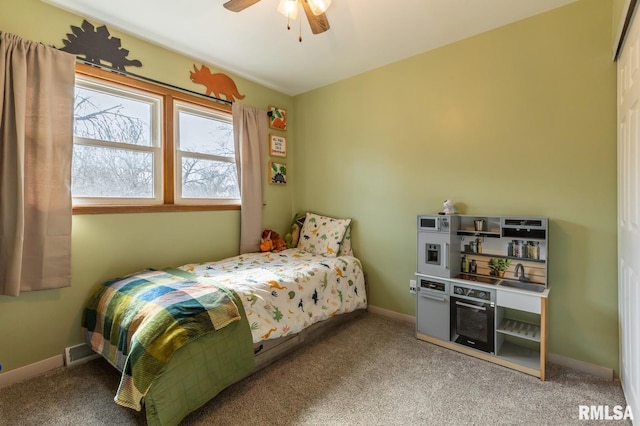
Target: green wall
[619,11]
[39,325]
[516,121]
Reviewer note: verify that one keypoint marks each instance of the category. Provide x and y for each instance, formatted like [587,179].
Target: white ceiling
[255,43]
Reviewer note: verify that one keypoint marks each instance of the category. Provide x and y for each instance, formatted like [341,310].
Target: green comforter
[139,321]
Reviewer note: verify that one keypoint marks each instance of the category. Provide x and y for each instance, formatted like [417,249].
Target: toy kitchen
[482,287]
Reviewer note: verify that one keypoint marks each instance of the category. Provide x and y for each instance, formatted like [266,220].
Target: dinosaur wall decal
[95,45]
[218,83]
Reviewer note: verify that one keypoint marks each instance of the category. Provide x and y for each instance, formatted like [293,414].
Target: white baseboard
[391,314]
[574,364]
[38,368]
[30,371]
[585,367]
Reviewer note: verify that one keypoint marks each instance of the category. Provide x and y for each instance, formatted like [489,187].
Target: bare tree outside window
[107,129]
[206,151]
[117,152]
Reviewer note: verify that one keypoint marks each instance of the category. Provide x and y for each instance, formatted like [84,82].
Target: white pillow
[322,235]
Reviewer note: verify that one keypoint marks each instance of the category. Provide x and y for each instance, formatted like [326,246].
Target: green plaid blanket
[139,321]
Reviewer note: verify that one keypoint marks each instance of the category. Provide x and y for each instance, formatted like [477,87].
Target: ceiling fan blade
[318,23]
[239,5]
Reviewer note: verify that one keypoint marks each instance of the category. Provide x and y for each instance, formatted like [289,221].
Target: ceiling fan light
[288,8]
[318,7]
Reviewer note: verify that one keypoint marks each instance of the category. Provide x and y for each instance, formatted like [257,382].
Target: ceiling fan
[314,9]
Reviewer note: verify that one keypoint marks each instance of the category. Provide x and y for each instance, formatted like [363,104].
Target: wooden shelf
[523,330]
[522,259]
[478,233]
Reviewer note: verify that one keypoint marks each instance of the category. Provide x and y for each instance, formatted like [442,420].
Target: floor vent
[78,354]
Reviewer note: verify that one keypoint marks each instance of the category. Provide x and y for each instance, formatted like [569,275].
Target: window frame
[167,145]
[155,149]
[189,108]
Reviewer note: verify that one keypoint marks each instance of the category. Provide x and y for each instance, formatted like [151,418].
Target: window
[117,145]
[144,147]
[205,155]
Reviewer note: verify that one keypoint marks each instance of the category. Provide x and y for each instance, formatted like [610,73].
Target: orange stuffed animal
[271,241]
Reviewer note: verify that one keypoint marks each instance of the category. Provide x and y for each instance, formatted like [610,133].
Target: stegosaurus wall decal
[97,45]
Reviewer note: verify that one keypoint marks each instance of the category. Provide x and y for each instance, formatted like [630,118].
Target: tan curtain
[36,142]
[250,136]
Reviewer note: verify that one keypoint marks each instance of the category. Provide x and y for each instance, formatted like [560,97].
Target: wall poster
[277,146]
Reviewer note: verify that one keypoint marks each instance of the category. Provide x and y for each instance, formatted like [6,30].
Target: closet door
[629,214]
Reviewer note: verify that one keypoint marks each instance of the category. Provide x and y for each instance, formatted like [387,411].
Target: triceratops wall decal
[97,45]
[218,83]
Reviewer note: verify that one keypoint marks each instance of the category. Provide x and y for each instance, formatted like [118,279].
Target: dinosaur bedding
[285,292]
[137,322]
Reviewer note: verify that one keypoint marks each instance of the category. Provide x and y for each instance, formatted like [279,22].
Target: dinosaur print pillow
[322,235]
[345,245]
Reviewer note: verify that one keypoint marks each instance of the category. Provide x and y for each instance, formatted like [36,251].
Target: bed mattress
[286,292]
[283,299]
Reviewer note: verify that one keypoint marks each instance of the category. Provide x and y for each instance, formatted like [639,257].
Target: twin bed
[180,336]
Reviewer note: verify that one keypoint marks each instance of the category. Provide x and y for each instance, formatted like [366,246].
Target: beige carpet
[371,371]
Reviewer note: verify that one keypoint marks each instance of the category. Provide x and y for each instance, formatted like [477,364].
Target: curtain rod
[151,80]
